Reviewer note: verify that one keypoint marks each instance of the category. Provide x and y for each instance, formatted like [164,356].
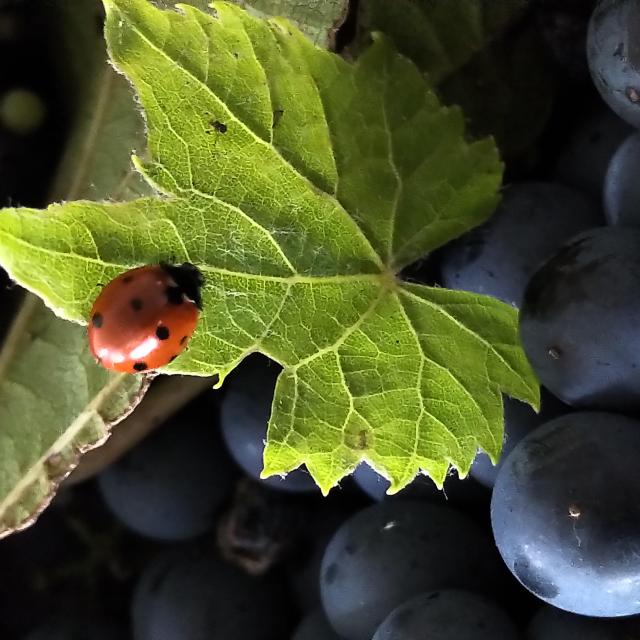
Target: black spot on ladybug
[174,295]
[220,127]
[97,320]
[172,358]
[162,333]
[127,279]
[140,366]
[184,339]
[136,304]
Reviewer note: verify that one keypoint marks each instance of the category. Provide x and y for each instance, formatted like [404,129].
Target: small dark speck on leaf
[361,440]
[53,461]
[277,115]
[220,127]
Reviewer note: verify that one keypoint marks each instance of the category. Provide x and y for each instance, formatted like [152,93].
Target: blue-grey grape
[391,551]
[519,419]
[621,184]
[450,614]
[244,417]
[146,589]
[530,224]
[565,517]
[580,318]
[614,56]
[464,493]
[200,597]
[171,485]
[583,161]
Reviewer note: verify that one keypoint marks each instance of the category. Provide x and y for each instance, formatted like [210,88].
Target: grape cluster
[180,538]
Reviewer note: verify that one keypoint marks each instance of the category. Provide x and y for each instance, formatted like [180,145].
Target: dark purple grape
[146,591]
[565,515]
[621,184]
[244,417]
[371,482]
[584,160]
[391,551]
[530,224]
[171,485]
[315,627]
[553,624]
[447,615]
[519,419]
[200,597]
[579,322]
[466,493]
[613,52]
[305,569]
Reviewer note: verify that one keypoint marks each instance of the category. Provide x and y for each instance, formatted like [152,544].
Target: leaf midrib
[207,268]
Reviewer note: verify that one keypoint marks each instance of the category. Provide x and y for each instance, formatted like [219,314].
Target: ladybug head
[189,278]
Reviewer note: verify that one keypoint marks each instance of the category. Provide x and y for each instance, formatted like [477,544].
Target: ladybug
[144,318]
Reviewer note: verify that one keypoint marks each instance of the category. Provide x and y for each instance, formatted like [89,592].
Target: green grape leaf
[440,37]
[506,90]
[55,401]
[319,20]
[300,185]
[481,56]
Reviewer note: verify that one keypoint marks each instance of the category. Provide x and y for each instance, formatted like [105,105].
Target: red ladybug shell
[144,318]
